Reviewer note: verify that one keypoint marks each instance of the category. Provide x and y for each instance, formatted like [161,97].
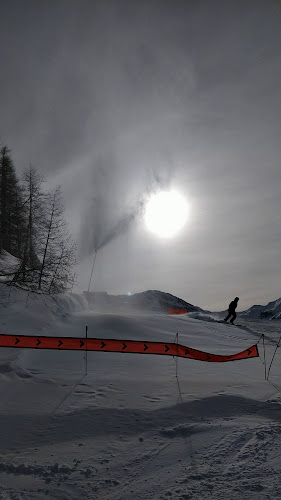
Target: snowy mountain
[271,311]
[150,300]
[155,300]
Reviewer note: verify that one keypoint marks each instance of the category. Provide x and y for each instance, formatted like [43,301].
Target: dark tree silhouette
[59,251]
[11,210]
[33,229]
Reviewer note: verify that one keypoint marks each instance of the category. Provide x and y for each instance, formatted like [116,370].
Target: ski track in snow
[130,429]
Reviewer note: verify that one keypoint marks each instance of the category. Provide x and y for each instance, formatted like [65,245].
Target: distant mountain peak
[270,311]
[155,300]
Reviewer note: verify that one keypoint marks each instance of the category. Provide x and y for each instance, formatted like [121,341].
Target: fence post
[86,354]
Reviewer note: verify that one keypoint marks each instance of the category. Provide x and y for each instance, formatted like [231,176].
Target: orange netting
[129,346]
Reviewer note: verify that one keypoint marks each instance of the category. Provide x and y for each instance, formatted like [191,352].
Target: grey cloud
[115,99]
[111,210]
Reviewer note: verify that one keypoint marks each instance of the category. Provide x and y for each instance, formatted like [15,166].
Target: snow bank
[15,301]
[204,316]
[8,266]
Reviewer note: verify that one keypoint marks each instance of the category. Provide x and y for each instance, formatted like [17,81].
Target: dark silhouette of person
[231,310]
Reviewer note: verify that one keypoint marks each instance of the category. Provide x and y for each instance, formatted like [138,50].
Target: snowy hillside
[8,266]
[150,300]
[136,426]
[155,300]
[271,311]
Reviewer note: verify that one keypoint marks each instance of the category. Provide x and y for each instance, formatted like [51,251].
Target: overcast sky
[114,99]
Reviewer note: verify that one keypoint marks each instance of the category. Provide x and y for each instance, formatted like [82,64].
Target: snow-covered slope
[155,300]
[150,300]
[8,266]
[135,427]
[271,311]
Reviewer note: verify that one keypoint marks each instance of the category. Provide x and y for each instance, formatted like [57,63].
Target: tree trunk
[47,243]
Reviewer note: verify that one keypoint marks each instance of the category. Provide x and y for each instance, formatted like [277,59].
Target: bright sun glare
[166,213]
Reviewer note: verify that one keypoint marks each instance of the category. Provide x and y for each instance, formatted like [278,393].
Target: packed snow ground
[131,429]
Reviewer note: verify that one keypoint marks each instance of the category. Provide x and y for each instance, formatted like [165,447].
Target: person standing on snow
[231,310]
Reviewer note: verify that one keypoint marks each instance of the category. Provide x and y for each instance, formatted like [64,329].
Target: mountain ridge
[154,300]
[157,300]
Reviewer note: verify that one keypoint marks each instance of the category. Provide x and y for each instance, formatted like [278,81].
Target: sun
[166,213]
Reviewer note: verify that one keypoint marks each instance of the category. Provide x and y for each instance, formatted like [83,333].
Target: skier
[231,310]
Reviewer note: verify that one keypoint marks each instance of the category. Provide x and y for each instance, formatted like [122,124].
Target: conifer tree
[58,259]
[33,228]
[11,214]
[33,206]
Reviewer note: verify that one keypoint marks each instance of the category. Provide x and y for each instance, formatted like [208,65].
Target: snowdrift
[114,426]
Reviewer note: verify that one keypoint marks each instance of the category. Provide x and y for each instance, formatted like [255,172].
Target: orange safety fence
[177,311]
[130,346]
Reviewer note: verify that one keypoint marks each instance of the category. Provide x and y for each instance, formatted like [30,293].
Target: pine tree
[33,228]
[34,215]
[58,259]
[11,214]
[63,277]
[19,223]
